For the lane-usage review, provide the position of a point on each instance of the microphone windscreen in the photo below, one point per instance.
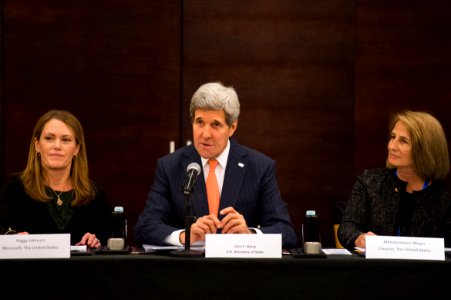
(193, 166)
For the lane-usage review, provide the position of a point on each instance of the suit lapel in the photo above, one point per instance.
(199, 202)
(234, 175)
(233, 179)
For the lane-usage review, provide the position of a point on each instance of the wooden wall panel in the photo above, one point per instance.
(403, 61)
(316, 79)
(115, 65)
(291, 63)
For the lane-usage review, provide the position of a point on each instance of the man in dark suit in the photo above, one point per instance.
(250, 200)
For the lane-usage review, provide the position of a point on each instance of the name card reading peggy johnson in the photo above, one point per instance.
(403, 247)
(243, 245)
(35, 246)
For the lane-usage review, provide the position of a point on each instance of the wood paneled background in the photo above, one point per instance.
(317, 81)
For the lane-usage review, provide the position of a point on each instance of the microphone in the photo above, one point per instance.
(192, 171)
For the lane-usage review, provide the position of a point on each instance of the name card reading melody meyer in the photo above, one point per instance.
(243, 245)
(35, 246)
(402, 247)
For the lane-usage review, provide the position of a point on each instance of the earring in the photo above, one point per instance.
(38, 154)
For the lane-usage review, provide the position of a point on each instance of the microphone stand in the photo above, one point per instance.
(189, 220)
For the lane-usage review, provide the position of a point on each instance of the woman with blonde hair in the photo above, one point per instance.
(54, 193)
(408, 197)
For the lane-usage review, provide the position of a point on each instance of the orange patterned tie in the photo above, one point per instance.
(212, 188)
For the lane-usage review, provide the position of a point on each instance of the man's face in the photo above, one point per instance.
(211, 132)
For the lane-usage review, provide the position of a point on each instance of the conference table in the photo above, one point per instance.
(163, 276)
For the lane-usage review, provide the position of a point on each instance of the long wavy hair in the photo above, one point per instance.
(34, 177)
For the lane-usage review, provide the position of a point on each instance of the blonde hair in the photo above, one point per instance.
(429, 145)
(34, 177)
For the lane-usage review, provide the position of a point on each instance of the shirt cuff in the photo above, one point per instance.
(257, 231)
(174, 238)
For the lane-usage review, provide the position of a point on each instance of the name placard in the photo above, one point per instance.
(34, 246)
(243, 245)
(402, 247)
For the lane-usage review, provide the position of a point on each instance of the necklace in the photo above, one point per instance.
(58, 201)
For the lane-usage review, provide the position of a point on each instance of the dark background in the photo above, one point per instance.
(317, 81)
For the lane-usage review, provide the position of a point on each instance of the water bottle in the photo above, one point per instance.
(118, 233)
(311, 240)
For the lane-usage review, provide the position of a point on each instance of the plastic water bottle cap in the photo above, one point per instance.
(310, 213)
(119, 209)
